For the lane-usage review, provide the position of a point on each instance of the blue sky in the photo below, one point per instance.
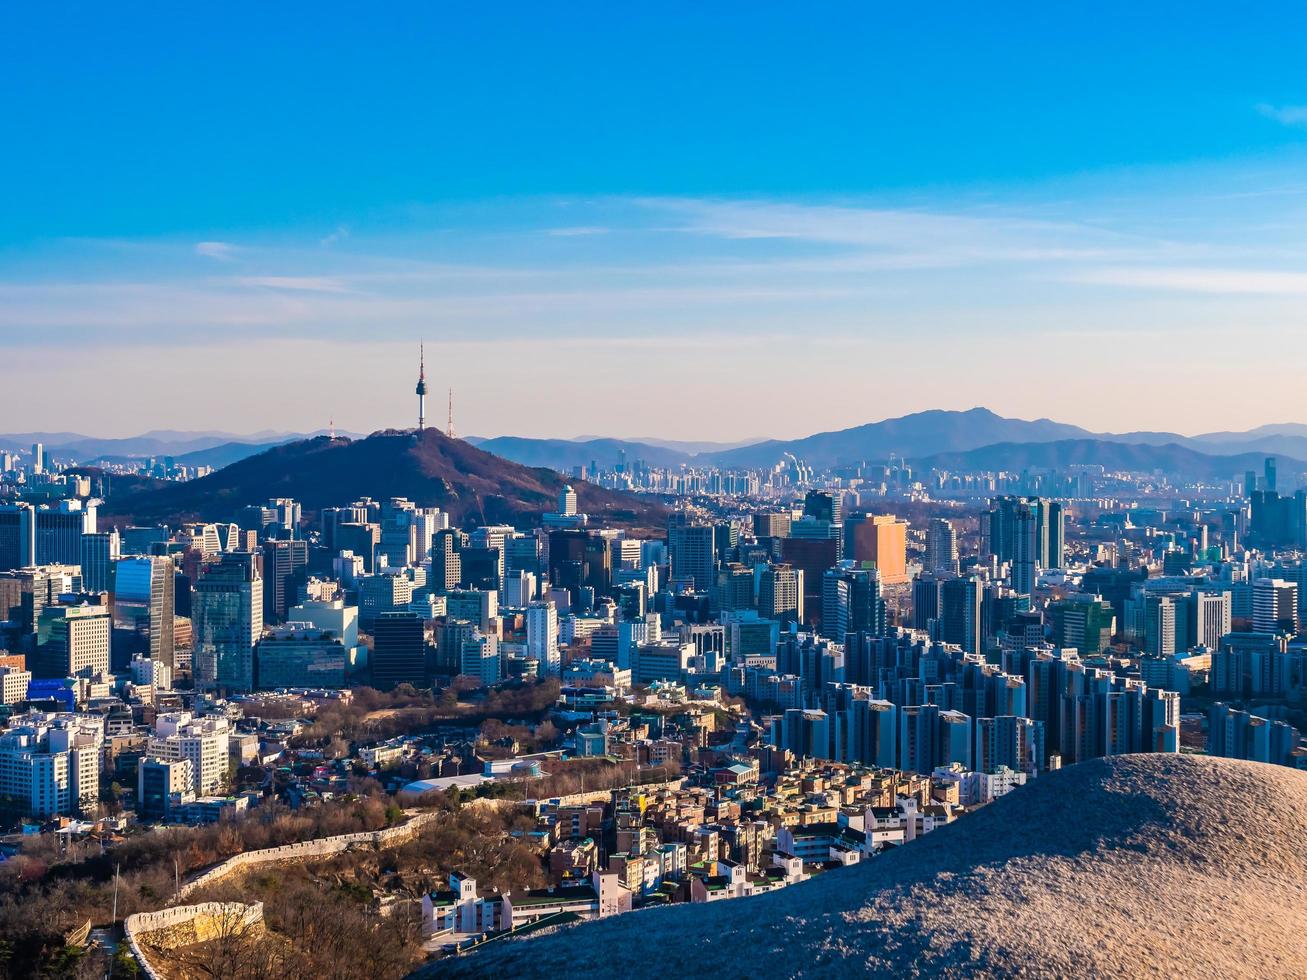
(709, 220)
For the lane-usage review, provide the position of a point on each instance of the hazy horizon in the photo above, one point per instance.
(353, 431)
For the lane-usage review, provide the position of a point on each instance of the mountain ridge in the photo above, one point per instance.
(1113, 867)
(428, 468)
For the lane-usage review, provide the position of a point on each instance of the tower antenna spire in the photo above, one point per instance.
(422, 387)
(449, 426)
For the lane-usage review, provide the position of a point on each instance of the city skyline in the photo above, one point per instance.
(702, 203)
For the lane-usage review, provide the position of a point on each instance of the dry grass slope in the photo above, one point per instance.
(1140, 865)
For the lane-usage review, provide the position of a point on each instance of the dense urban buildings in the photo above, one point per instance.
(806, 664)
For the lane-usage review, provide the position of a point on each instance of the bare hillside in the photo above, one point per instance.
(1144, 865)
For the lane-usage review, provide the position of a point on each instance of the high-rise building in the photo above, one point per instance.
(399, 651)
(882, 540)
(99, 551)
(1275, 606)
(582, 560)
(1086, 623)
(286, 517)
(17, 536)
(52, 767)
(567, 501)
(329, 616)
(780, 594)
(851, 602)
(1159, 625)
(202, 741)
(390, 591)
(284, 569)
(806, 733)
(24, 592)
(73, 639)
(919, 731)
(58, 532)
(144, 613)
(941, 548)
(1212, 616)
(227, 620)
(960, 613)
(823, 506)
(446, 559)
(812, 555)
(692, 550)
(542, 637)
(300, 655)
(772, 524)
(1028, 533)
(479, 657)
(927, 602)
(1009, 741)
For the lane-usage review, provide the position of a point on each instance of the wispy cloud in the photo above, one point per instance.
(312, 284)
(340, 234)
(1197, 279)
(917, 237)
(223, 251)
(1285, 115)
(577, 231)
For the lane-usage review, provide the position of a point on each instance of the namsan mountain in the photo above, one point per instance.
(1127, 866)
(427, 467)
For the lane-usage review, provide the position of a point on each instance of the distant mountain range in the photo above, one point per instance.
(948, 439)
(564, 454)
(1122, 456)
(427, 468)
(944, 438)
(187, 448)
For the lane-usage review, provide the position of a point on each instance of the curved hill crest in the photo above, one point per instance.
(428, 468)
(1129, 866)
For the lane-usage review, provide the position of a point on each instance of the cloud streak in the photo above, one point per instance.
(1198, 279)
(1285, 115)
(223, 251)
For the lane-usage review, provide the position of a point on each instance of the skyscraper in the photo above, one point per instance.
(446, 559)
(851, 602)
(693, 554)
(284, 563)
(927, 599)
(143, 607)
(227, 618)
(1028, 533)
(72, 639)
(399, 650)
(780, 594)
(542, 637)
(941, 548)
(1275, 606)
(17, 536)
(960, 600)
(882, 540)
(99, 551)
(823, 506)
